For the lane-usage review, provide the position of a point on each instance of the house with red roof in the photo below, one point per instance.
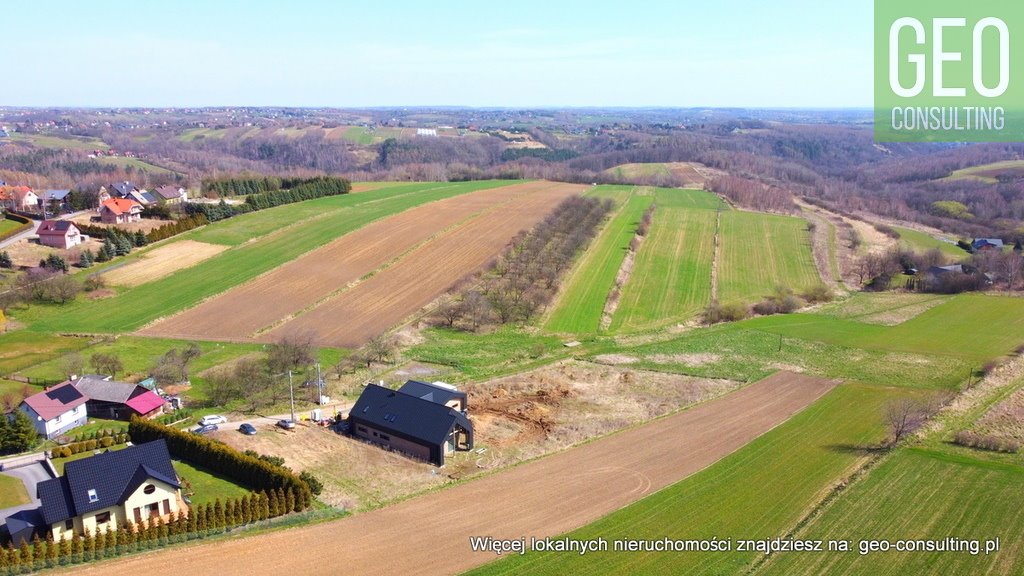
(118, 400)
(120, 211)
(57, 410)
(59, 234)
(20, 198)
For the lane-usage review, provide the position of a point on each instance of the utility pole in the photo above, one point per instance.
(319, 384)
(291, 394)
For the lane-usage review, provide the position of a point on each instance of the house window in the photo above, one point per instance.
(93, 497)
(138, 515)
(385, 437)
(154, 509)
(167, 506)
(149, 489)
(103, 517)
(69, 524)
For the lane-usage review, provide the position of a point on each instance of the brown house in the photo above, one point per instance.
(120, 211)
(170, 195)
(59, 234)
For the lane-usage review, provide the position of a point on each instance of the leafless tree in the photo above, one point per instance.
(904, 417)
(72, 364)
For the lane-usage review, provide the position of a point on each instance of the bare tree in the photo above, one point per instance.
(104, 363)
(380, 349)
(72, 364)
(293, 351)
(904, 417)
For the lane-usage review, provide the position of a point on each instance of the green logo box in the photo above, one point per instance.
(949, 71)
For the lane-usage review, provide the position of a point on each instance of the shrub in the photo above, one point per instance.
(984, 442)
(818, 293)
(717, 312)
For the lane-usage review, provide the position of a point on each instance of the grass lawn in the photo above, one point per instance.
(134, 163)
(921, 494)
(6, 225)
(475, 357)
(762, 251)
(207, 486)
(921, 242)
(12, 492)
(759, 491)
(671, 277)
(61, 142)
(581, 304)
(59, 463)
(148, 302)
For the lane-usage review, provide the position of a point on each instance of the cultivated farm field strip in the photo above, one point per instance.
(542, 498)
(161, 262)
(315, 275)
(921, 494)
(141, 305)
(581, 302)
(760, 252)
(370, 308)
(671, 278)
(760, 491)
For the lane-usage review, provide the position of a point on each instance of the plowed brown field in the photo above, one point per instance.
(430, 534)
(239, 313)
(370, 308)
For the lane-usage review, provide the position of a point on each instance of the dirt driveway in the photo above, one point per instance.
(430, 534)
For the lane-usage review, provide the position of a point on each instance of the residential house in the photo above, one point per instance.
(438, 393)
(19, 198)
(102, 492)
(108, 398)
(170, 195)
(985, 244)
(426, 429)
(59, 234)
(102, 195)
(120, 211)
(57, 410)
(122, 189)
(56, 201)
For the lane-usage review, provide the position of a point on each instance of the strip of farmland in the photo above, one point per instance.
(385, 299)
(314, 276)
(540, 499)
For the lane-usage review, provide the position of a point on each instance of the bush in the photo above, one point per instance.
(818, 293)
(984, 442)
(731, 312)
(314, 483)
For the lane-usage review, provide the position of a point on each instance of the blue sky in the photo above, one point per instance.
(781, 53)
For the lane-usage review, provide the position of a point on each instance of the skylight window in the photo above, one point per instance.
(93, 497)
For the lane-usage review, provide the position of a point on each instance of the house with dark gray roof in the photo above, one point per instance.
(409, 423)
(105, 491)
(981, 244)
(170, 194)
(436, 392)
(108, 398)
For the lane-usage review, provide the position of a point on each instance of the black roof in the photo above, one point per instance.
(431, 392)
(113, 476)
(123, 188)
(407, 415)
(64, 394)
(22, 525)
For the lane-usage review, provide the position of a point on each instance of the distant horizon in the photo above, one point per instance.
(432, 106)
(794, 54)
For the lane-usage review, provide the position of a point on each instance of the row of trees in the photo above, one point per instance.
(224, 460)
(525, 277)
(200, 521)
(261, 382)
(318, 187)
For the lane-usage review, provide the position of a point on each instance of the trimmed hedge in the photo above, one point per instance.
(224, 460)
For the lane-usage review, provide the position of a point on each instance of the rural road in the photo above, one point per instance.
(429, 534)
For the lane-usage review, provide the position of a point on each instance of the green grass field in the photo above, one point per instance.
(759, 491)
(12, 492)
(760, 252)
(8, 225)
(972, 327)
(359, 135)
(61, 142)
(134, 163)
(988, 173)
(581, 304)
(187, 287)
(208, 487)
(21, 349)
(671, 277)
(921, 242)
(921, 494)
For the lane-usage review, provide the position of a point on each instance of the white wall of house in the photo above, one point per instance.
(165, 496)
(58, 425)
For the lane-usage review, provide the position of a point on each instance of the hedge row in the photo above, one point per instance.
(25, 224)
(314, 188)
(200, 522)
(223, 460)
(68, 450)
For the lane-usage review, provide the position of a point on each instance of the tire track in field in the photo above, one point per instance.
(429, 534)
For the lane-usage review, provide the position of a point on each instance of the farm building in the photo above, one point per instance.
(983, 244)
(105, 491)
(426, 429)
(118, 400)
(170, 195)
(57, 410)
(120, 211)
(59, 234)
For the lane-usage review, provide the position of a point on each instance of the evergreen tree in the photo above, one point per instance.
(275, 508)
(86, 259)
(77, 549)
(106, 252)
(5, 260)
(52, 553)
(17, 434)
(290, 501)
(140, 238)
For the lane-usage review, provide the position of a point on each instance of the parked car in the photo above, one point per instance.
(247, 429)
(212, 419)
(206, 429)
(287, 424)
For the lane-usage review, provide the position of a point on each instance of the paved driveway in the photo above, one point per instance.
(30, 476)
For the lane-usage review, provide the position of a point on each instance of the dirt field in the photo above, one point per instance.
(385, 299)
(314, 276)
(163, 261)
(430, 534)
(30, 252)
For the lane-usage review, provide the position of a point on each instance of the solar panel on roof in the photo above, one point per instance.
(64, 394)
